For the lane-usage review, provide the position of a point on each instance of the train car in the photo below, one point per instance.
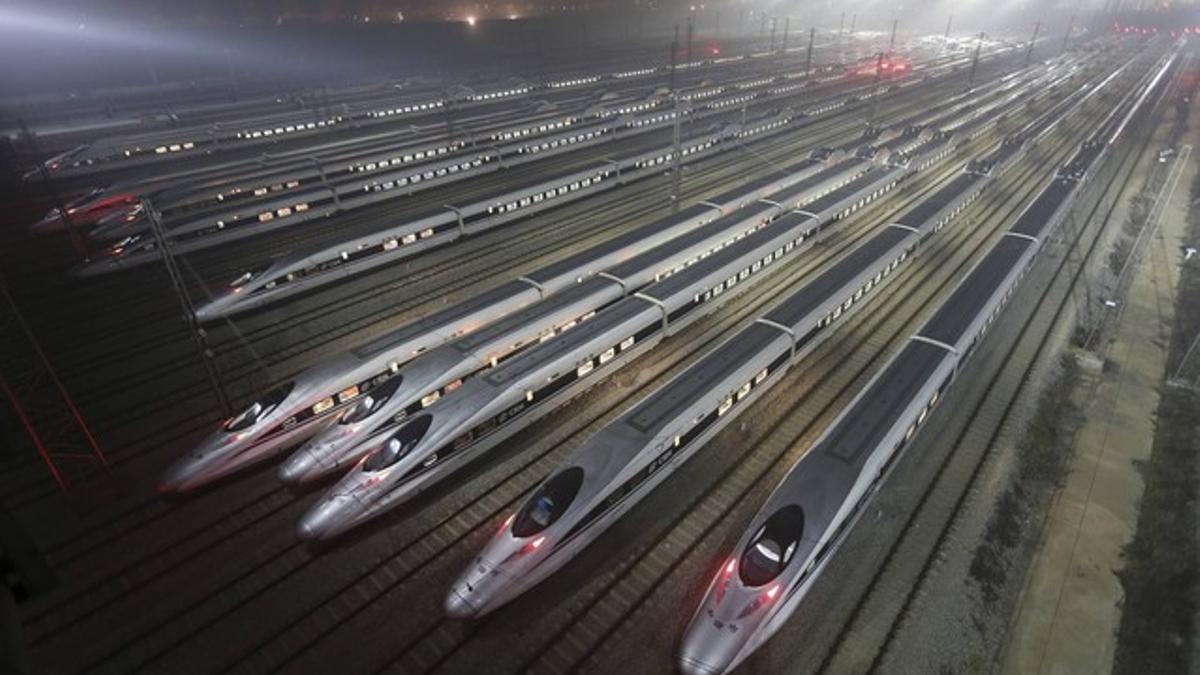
(302, 407)
(299, 408)
(627, 459)
(791, 539)
(429, 446)
(443, 370)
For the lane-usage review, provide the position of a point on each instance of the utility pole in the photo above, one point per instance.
(812, 35)
(762, 31)
(975, 62)
(199, 336)
(841, 25)
(691, 29)
(674, 50)
(787, 23)
(949, 22)
(774, 20)
(1032, 41)
(875, 93)
(892, 42)
(676, 157)
(1067, 37)
(853, 22)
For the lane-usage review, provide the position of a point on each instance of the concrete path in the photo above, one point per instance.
(1069, 611)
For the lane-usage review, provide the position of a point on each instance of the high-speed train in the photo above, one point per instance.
(369, 244)
(300, 407)
(442, 370)
(791, 539)
(355, 174)
(431, 445)
(287, 209)
(623, 462)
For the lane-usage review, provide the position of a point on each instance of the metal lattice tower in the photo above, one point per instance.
(40, 407)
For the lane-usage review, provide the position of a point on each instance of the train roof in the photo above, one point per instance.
(806, 300)
(531, 359)
(699, 379)
(457, 310)
(928, 207)
(858, 433)
(557, 269)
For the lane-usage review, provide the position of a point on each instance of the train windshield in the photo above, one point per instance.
(257, 410)
(548, 503)
(370, 403)
(398, 444)
(249, 275)
(773, 546)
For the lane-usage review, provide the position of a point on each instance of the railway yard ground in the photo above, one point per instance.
(1022, 532)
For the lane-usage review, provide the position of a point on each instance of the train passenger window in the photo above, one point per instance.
(398, 444)
(548, 503)
(725, 406)
(772, 547)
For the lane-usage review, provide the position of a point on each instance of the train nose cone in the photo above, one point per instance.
(458, 606)
(690, 666)
(705, 651)
(299, 468)
(329, 518)
(213, 309)
(177, 477)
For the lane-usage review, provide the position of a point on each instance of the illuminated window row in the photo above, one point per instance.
(707, 93)
(758, 225)
(863, 201)
(755, 83)
(666, 157)
(174, 147)
(555, 384)
(825, 108)
(575, 82)
(634, 73)
(564, 140)
(406, 158)
(631, 108)
(405, 109)
(550, 193)
(861, 292)
(651, 119)
(734, 100)
(291, 128)
(761, 128)
(753, 268)
(429, 174)
(526, 131)
(491, 95)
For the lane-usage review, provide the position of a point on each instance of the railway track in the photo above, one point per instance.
(683, 548)
(119, 384)
(139, 650)
(889, 597)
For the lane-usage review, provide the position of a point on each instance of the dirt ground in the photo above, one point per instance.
(1070, 607)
